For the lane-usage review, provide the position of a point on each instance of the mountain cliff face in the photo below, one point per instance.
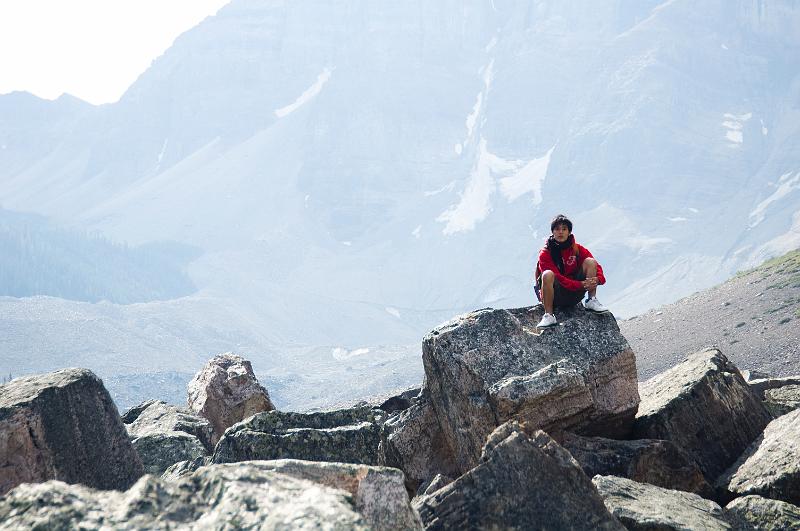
(355, 173)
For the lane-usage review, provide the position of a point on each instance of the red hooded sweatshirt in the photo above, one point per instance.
(571, 266)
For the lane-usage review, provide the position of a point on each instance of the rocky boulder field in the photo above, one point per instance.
(514, 427)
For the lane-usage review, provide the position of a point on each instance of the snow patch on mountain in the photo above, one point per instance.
(475, 202)
(306, 96)
(514, 177)
(785, 186)
(341, 354)
(446, 188)
(734, 124)
(393, 311)
(528, 179)
(163, 150)
(473, 116)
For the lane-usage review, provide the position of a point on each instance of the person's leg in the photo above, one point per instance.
(563, 297)
(590, 271)
(548, 278)
(592, 304)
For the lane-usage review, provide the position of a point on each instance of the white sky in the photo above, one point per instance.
(92, 49)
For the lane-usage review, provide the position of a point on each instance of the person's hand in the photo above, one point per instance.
(589, 283)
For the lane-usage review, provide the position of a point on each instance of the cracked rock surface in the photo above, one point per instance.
(347, 435)
(490, 366)
(705, 407)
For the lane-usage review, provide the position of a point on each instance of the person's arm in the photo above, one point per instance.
(585, 253)
(546, 263)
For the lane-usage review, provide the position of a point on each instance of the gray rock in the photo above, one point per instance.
(164, 434)
(770, 467)
(645, 507)
(763, 384)
(762, 514)
(234, 496)
(133, 412)
(705, 407)
(782, 400)
(63, 425)
(225, 391)
(379, 493)
(522, 482)
(414, 443)
(660, 463)
(158, 416)
(400, 401)
(161, 449)
(346, 435)
(185, 468)
(490, 366)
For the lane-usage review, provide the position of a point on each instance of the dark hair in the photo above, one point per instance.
(560, 219)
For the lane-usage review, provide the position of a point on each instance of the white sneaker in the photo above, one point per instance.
(594, 305)
(548, 319)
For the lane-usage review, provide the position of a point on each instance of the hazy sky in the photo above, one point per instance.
(92, 49)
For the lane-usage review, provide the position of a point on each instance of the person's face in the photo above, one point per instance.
(561, 233)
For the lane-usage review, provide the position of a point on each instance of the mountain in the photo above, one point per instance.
(354, 173)
(754, 318)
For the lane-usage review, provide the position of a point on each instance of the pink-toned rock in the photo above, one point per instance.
(63, 425)
(226, 391)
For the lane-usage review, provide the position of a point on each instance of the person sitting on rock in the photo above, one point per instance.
(566, 270)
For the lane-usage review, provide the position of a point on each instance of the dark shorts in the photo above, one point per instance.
(565, 297)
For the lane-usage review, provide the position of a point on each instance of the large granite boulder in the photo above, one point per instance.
(237, 496)
(770, 467)
(523, 482)
(763, 514)
(414, 443)
(644, 507)
(63, 425)
(490, 366)
(164, 434)
(659, 463)
(226, 391)
(345, 435)
(379, 493)
(705, 407)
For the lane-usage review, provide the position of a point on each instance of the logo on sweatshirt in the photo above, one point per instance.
(571, 260)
